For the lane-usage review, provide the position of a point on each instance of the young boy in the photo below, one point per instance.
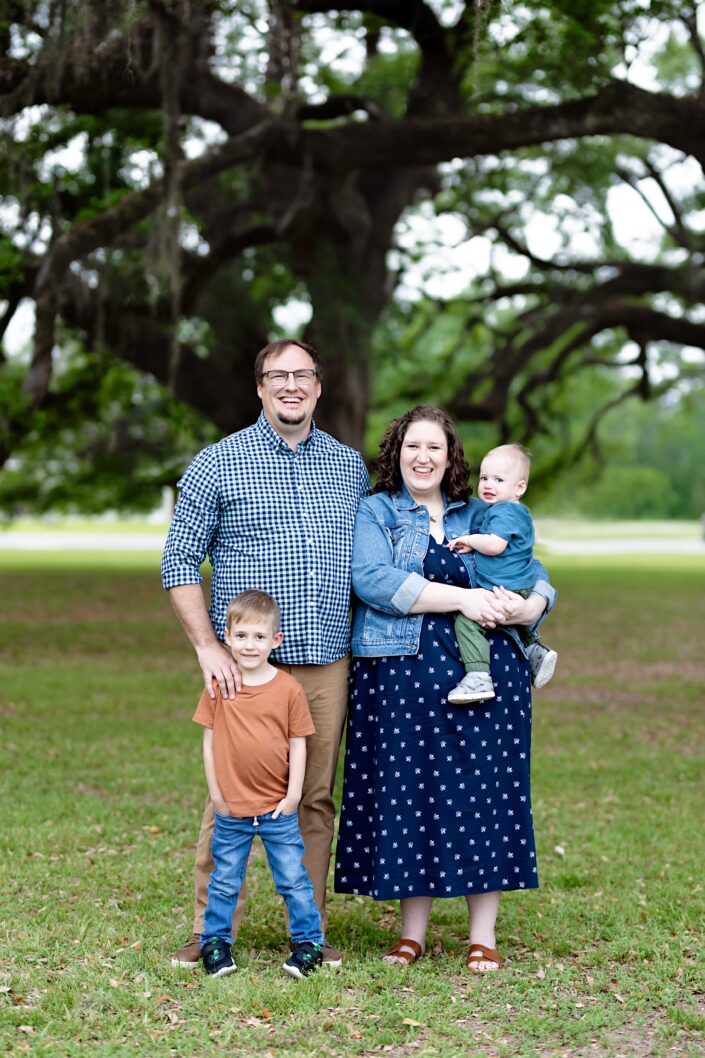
(503, 558)
(254, 753)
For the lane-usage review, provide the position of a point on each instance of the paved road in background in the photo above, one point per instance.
(645, 546)
(65, 540)
(86, 541)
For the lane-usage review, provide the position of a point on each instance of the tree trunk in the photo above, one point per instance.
(344, 317)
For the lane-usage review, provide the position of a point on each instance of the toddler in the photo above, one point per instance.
(503, 558)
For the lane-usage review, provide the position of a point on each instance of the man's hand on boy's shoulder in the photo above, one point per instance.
(217, 663)
(287, 806)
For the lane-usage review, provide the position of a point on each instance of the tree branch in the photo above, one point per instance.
(198, 270)
(14, 296)
(632, 181)
(412, 15)
(689, 18)
(86, 236)
(223, 382)
(589, 440)
(337, 105)
(681, 234)
(108, 79)
(641, 323)
(617, 108)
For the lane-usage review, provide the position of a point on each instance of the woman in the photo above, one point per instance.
(436, 798)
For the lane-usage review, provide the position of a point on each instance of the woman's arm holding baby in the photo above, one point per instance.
(475, 603)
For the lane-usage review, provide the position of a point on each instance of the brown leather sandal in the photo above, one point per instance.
(409, 957)
(487, 955)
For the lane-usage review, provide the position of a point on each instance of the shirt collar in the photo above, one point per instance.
(276, 441)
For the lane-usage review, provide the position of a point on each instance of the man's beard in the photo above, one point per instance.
(292, 417)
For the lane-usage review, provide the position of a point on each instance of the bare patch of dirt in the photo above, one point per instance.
(644, 1040)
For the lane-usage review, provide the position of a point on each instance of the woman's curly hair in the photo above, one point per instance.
(455, 482)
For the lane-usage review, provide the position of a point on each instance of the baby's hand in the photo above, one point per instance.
(461, 543)
(286, 806)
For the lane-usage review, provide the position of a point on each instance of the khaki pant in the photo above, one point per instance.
(326, 689)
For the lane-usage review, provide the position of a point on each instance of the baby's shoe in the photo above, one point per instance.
(474, 687)
(542, 662)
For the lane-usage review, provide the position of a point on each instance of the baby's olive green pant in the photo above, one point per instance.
(474, 648)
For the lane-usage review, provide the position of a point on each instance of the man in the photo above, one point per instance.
(273, 506)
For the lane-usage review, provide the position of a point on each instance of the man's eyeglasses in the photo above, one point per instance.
(304, 377)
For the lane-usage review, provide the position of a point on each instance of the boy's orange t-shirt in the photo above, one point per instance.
(251, 735)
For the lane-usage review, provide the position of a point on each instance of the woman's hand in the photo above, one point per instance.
(519, 611)
(484, 607)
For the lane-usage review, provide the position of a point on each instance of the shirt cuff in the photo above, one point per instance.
(408, 592)
(177, 578)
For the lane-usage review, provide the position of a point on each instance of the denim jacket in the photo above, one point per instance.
(391, 540)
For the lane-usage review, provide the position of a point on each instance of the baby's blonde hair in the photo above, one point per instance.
(253, 603)
(519, 454)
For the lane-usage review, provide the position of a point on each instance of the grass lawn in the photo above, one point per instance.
(102, 794)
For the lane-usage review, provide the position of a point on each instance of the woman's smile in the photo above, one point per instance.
(423, 459)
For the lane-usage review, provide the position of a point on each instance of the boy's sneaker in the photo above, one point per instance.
(542, 662)
(304, 959)
(474, 687)
(332, 958)
(217, 959)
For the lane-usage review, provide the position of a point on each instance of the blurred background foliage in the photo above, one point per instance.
(498, 280)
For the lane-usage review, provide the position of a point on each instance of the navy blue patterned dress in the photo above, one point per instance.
(436, 798)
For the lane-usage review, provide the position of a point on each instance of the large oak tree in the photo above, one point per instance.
(233, 157)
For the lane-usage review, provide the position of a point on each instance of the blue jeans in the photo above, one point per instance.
(281, 837)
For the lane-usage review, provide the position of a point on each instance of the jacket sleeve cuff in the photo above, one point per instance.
(543, 588)
(408, 592)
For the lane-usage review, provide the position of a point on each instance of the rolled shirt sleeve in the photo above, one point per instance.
(194, 524)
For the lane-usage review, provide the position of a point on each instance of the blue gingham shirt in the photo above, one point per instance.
(278, 520)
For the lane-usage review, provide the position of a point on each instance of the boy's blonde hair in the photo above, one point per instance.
(521, 455)
(253, 603)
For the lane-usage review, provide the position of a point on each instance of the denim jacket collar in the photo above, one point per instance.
(404, 501)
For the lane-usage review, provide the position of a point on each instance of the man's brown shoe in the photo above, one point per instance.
(331, 957)
(189, 955)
